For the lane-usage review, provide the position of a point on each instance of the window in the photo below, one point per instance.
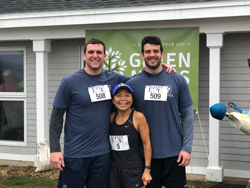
(12, 96)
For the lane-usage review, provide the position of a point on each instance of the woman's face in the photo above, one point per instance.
(123, 99)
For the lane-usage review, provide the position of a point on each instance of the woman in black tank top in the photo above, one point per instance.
(128, 129)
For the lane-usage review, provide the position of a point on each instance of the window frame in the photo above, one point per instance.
(82, 62)
(17, 96)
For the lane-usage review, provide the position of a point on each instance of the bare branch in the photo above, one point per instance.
(106, 64)
(116, 68)
(110, 58)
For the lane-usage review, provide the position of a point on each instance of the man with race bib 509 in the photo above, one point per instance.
(166, 102)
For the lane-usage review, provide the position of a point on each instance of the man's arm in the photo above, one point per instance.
(169, 68)
(56, 124)
(187, 119)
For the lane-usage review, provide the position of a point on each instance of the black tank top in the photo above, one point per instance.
(125, 142)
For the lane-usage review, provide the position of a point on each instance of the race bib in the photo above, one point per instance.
(156, 93)
(119, 143)
(99, 93)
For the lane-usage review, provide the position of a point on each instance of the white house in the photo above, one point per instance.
(41, 42)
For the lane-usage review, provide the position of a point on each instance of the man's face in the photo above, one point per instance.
(152, 56)
(94, 56)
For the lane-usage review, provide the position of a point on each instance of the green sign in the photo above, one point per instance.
(180, 46)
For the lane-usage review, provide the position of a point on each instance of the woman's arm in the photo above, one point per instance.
(141, 122)
(111, 117)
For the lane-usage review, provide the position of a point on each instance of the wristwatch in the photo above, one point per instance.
(148, 167)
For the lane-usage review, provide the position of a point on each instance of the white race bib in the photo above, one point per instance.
(99, 93)
(119, 143)
(156, 93)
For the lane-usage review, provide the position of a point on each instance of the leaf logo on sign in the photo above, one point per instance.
(114, 62)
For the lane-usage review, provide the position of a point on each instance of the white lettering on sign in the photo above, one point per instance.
(186, 78)
(185, 61)
(169, 60)
(137, 61)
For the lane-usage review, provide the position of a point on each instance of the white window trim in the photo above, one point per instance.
(17, 143)
(20, 96)
(81, 50)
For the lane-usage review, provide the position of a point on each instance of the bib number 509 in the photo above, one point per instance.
(155, 95)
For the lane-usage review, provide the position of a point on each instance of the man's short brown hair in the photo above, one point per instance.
(151, 40)
(94, 41)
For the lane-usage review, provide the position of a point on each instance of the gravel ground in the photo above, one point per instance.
(22, 171)
(53, 174)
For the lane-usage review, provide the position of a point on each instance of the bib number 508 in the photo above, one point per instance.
(100, 96)
(155, 95)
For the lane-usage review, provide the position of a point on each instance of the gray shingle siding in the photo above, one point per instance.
(199, 155)
(234, 144)
(64, 59)
(21, 6)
